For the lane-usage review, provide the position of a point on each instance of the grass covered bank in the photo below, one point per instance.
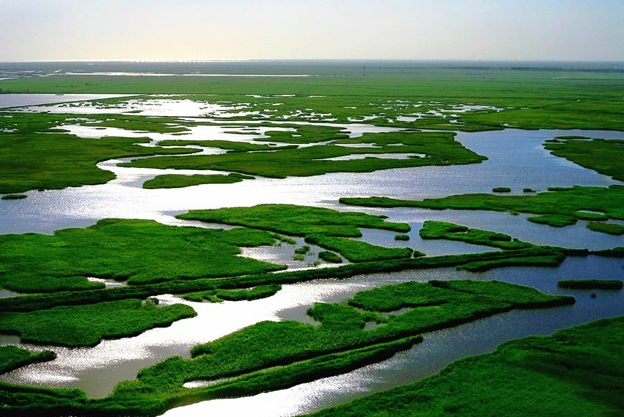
(604, 156)
(575, 371)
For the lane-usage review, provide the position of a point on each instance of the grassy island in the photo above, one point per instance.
(217, 296)
(180, 181)
(438, 148)
(609, 228)
(14, 196)
(87, 325)
(444, 230)
(134, 251)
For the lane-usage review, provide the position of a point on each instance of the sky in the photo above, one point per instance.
(155, 30)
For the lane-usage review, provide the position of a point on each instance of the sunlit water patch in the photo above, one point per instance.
(144, 107)
(19, 100)
(201, 132)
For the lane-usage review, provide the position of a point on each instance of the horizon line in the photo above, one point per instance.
(255, 60)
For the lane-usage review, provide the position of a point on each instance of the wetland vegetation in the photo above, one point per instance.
(87, 325)
(133, 251)
(13, 357)
(444, 230)
(408, 116)
(604, 156)
(270, 355)
(436, 149)
(70, 161)
(555, 207)
(180, 181)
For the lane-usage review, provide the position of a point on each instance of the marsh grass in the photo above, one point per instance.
(217, 296)
(69, 161)
(181, 181)
(609, 228)
(327, 228)
(547, 97)
(501, 190)
(554, 220)
(439, 148)
(359, 251)
(13, 357)
(548, 256)
(330, 257)
(445, 230)
(136, 251)
(604, 156)
(230, 146)
(87, 325)
(14, 196)
(274, 355)
(558, 206)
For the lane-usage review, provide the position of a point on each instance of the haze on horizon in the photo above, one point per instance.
(544, 30)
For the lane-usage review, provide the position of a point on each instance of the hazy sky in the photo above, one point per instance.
(583, 30)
